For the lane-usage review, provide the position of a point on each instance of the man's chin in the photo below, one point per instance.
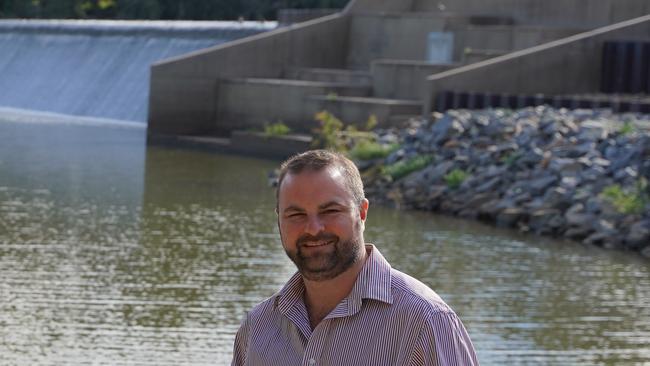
(318, 275)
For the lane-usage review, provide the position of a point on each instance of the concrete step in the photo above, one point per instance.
(308, 87)
(357, 110)
(250, 102)
(330, 75)
(403, 79)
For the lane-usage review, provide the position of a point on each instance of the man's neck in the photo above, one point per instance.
(321, 297)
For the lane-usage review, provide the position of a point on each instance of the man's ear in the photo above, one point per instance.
(363, 209)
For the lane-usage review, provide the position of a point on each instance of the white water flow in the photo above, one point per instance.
(97, 68)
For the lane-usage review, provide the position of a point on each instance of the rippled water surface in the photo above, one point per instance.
(114, 253)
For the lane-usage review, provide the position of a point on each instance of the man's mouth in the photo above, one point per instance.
(319, 243)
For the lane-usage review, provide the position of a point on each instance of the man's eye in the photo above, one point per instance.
(331, 211)
(296, 215)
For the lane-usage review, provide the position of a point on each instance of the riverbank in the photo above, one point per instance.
(579, 174)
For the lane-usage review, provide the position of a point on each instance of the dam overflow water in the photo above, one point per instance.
(97, 68)
(114, 253)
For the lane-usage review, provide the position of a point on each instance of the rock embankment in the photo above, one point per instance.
(578, 174)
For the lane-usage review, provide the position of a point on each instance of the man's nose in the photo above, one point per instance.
(314, 225)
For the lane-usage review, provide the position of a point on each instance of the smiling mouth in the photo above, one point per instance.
(316, 244)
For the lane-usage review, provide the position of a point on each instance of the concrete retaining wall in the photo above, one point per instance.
(401, 79)
(183, 98)
(570, 65)
(509, 38)
(291, 16)
(572, 13)
(375, 36)
(378, 6)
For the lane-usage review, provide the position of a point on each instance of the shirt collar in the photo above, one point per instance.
(373, 282)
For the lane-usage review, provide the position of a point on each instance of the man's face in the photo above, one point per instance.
(321, 226)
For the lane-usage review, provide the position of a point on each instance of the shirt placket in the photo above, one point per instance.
(315, 344)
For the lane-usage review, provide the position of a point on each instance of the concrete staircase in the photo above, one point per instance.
(378, 57)
(351, 95)
(385, 74)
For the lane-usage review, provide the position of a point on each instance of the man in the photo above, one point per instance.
(345, 305)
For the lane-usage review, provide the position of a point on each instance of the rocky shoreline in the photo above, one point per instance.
(580, 174)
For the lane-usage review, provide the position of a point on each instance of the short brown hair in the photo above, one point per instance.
(317, 160)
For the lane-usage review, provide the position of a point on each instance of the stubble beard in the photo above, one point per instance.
(325, 265)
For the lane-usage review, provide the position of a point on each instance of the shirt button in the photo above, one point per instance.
(312, 362)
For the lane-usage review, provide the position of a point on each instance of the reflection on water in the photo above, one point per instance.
(111, 253)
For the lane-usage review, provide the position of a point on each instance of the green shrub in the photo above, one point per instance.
(626, 202)
(276, 129)
(455, 178)
(367, 150)
(334, 134)
(627, 128)
(329, 133)
(406, 167)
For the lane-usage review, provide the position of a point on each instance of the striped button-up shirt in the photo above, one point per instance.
(389, 318)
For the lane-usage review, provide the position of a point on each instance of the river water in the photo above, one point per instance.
(115, 253)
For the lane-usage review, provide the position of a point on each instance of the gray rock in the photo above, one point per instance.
(540, 185)
(490, 208)
(592, 131)
(622, 160)
(537, 169)
(435, 173)
(626, 174)
(436, 192)
(545, 221)
(639, 234)
(445, 128)
(558, 197)
(579, 219)
(603, 239)
(604, 163)
(578, 233)
(594, 205)
(490, 185)
(569, 183)
(532, 157)
(646, 252)
(581, 150)
(592, 174)
(565, 165)
(509, 216)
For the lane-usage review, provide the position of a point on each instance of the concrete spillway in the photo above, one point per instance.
(97, 68)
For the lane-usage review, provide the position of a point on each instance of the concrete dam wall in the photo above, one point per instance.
(97, 68)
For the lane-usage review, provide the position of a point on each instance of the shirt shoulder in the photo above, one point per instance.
(262, 309)
(414, 295)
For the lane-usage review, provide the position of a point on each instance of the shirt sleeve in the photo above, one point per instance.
(241, 344)
(443, 341)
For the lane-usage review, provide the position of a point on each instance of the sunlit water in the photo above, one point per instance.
(112, 253)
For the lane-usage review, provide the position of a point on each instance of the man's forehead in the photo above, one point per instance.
(332, 172)
(327, 182)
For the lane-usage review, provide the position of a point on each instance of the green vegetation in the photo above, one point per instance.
(627, 129)
(368, 150)
(329, 133)
(335, 135)
(358, 144)
(511, 158)
(331, 96)
(276, 129)
(455, 178)
(627, 202)
(405, 167)
(156, 9)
